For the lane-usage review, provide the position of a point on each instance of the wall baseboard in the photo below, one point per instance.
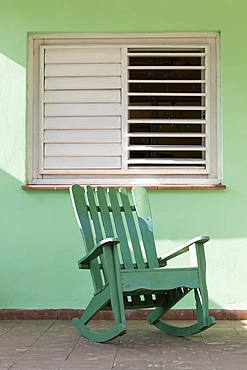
(141, 314)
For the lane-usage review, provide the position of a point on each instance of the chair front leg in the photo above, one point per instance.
(113, 269)
(203, 291)
(113, 293)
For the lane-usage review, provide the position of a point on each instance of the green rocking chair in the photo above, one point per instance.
(125, 268)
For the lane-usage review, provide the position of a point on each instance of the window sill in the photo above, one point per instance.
(150, 187)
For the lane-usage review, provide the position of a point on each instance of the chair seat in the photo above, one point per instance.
(156, 280)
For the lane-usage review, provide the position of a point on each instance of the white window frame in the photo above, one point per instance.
(125, 176)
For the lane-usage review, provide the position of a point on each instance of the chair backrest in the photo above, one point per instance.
(101, 214)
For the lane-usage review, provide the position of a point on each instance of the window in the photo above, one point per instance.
(123, 109)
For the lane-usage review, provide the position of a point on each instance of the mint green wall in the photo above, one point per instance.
(39, 239)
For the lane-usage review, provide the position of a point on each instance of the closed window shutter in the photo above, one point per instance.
(81, 109)
(124, 109)
(167, 109)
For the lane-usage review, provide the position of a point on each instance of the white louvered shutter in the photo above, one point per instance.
(125, 110)
(167, 110)
(81, 109)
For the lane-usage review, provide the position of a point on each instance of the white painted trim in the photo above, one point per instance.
(124, 95)
(41, 108)
(32, 109)
(218, 107)
(128, 180)
(208, 124)
(29, 112)
(131, 171)
(121, 35)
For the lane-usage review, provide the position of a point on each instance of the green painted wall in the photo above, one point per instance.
(39, 239)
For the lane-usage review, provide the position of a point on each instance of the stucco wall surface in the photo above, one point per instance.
(39, 239)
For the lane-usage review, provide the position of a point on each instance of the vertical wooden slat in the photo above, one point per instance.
(81, 212)
(96, 224)
(132, 228)
(124, 245)
(94, 214)
(145, 222)
(105, 214)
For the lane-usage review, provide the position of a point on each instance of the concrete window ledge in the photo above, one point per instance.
(150, 187)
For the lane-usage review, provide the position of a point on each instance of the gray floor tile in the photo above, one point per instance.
(56, 345)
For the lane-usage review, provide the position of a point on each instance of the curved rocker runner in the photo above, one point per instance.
(125, 269)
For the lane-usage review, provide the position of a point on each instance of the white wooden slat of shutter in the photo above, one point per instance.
(174, 161)
(71, 55)
(166, 134)
(167, 81)
(82, 96)
(160, 107)
(167, 108)
(70, 110)
(82, 110)
(82, 136)
(170, 68)
(83, 83)
(160, 148)
(171, 121)
(74, 70)
(86, 162)
(165, 54)
(83, 123)
(75, 150)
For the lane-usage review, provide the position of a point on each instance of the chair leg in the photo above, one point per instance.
(174, 296)
(112, 292)
(96, 304)
(117, 330)
(204, 321)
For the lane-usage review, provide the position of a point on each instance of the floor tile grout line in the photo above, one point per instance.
(72, 349)
(35, 341)
(205, 345)
(117, 349)
(162, 342)
(43, 333)
(13, 327)
(21, 355)
(11, 366)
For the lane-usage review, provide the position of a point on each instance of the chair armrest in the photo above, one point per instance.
(84, 262)
(183, 249)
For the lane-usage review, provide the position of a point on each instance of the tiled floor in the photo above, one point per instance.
(47, 344)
